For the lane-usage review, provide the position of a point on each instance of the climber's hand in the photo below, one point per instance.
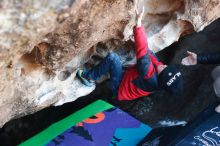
(139, 17)
(191, 59)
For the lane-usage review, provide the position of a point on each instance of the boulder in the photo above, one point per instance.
(42, 40)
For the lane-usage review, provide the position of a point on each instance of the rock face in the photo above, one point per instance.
(42, 43)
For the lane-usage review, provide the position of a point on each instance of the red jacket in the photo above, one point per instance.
(141, 79)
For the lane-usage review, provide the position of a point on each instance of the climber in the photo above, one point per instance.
(140, 80)
(193, 59)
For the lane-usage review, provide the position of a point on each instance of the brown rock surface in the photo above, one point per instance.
(40, 39)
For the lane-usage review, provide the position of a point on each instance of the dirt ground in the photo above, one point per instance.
(160, 106)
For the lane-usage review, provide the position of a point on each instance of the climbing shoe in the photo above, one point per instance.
(84, 80)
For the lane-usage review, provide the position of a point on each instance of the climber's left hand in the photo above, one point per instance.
(139, 16)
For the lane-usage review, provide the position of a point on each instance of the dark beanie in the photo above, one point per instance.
(170, 79)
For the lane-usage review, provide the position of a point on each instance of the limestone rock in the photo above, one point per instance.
(41, 39)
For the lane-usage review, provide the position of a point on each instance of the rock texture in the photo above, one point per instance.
(44, 42)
